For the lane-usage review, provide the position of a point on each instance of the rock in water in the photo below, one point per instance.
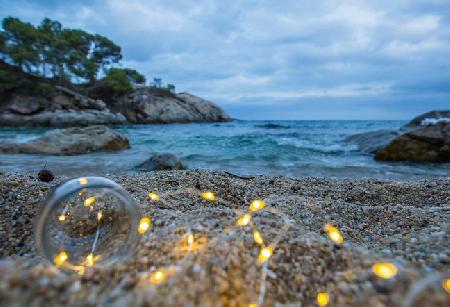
(71, 141)
(147, 105)
(426, 144)
(418, 121)
(161, 162)
(370, 142)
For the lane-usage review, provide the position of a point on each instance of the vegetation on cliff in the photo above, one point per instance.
(49, 54)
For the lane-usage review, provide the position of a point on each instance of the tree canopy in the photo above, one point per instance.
(52, 51)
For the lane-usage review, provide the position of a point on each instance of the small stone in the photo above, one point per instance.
(438, 234)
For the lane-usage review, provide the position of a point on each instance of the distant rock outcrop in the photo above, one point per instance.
(426, 144)
(71, 141)
(147, 105)
(370, 142)
(64, 108)
(427, 118)
(161, 162)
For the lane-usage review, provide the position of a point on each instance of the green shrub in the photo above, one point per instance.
(118, 80)
(14, 82)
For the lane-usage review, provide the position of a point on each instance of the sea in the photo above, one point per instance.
(307, 148)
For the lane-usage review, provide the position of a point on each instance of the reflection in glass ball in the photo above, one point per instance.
(85, 222)
(433, 290)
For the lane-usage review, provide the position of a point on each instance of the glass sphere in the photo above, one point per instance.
(434, 290)
(85, 222)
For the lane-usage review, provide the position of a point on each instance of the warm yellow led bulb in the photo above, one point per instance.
(446, 285)
(257, 205)
(334, 234)
(253, 305)
(62, 217)
(244, 220)
(83, 181)
(265, 254)
(257, 237)
(157, 277)
(90, 260)
(99, 215)
(385, 270)
(190, 239)
(61, 258)
(89, 201)
(323, 298)
(79, 269)
(208, 195)
(153, 196)
(144, 225)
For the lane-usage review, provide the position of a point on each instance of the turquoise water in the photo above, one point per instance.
(292, 148)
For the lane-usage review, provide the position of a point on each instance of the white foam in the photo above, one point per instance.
(434, 121)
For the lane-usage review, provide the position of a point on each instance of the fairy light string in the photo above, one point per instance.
(244, 220)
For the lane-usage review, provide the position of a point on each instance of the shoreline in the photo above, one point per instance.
(294, 149)
(404, 222)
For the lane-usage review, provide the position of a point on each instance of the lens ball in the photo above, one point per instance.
(85, 222)
(433, 290)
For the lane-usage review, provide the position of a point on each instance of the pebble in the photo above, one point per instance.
(438, 234)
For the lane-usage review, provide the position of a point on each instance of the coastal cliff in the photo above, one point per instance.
(147, 105)
(29, 100)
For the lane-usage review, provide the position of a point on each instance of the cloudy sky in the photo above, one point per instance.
(337, 59)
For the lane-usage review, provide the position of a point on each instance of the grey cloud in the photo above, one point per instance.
(381, 55)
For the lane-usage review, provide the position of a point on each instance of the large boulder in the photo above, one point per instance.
(81, 101)
(161, 162)
(431, 117)
(64, 108)
(71, 141)
(426, 144)
(147, 105)
(26, 105)
(370, 142)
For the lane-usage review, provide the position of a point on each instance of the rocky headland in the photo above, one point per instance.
(30, 100)
(67, 108)
(146, 105)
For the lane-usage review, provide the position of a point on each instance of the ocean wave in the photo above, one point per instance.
(265, 157)
(314, 147)
(293, 148)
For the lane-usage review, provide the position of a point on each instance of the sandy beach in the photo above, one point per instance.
(401, 222)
